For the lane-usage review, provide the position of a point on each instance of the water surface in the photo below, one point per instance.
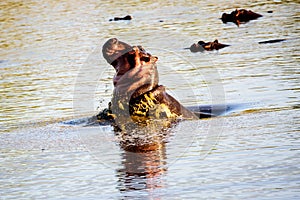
(52, 70)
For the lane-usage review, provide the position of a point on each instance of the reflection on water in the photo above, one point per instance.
(49, 48)
(142, 171)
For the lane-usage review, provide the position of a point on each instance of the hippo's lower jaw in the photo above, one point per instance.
(154, 108)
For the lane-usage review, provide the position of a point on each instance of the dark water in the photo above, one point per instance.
(52, 70)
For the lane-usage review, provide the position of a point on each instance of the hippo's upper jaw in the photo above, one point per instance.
(114, 52)
(113, 49)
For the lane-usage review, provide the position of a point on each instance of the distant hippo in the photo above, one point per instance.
(138, 100)
(240, 16)
(127, 17)
(208, 46)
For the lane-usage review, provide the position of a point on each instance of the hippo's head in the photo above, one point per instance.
(113, 52)
(124, 57)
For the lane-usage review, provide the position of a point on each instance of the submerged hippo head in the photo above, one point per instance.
(124, 57)
(208, 46)
(240, 16)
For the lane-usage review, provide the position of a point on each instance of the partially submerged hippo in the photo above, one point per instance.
(208, 46)
(138, 101)
(127, 17)
(240, 16)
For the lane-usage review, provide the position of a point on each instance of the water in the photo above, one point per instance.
(52, 70)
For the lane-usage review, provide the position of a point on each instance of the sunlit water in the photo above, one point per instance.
(52, 70)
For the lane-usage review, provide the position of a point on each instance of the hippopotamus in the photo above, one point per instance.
(208, 46)
(240, 16)
(127, 17)
(141, 111)
(138, 100)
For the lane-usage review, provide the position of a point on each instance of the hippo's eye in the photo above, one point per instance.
(146, 59)
(141, 48)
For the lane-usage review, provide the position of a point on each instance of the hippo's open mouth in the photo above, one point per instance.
(124, 57)
(113, 49)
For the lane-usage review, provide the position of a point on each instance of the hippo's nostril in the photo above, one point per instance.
(114, 40)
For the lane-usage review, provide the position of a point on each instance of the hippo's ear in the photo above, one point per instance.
(154, 58)
(141, 48)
